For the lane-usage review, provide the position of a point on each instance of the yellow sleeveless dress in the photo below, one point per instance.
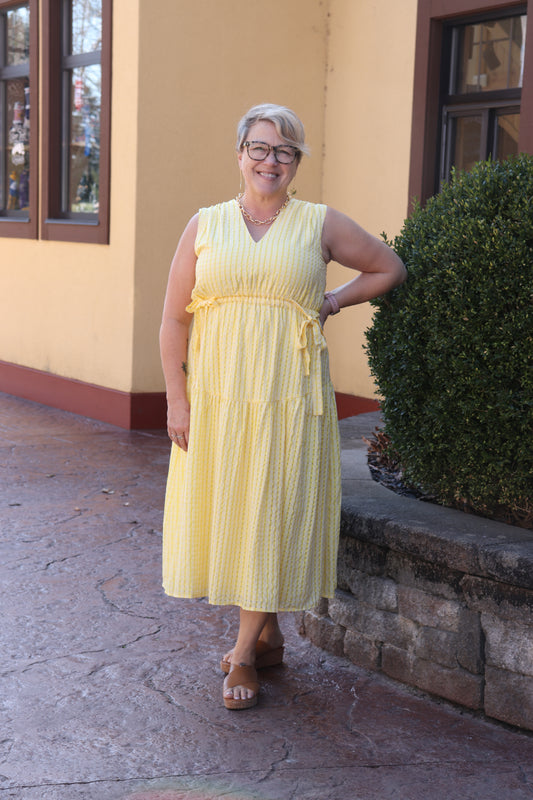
(252, 509)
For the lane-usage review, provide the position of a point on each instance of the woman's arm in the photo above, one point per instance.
(344, 241)
(174, 334)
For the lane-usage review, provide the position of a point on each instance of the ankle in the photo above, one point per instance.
(243, 656)
(271, 634)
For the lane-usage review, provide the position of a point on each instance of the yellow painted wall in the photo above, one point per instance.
(183, 74)
(367, 132)
(68, 308)
(202, 65)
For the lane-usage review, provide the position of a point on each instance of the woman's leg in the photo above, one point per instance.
(251, 626)
(270, 634)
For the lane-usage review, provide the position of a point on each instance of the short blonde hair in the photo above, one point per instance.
(288, 126)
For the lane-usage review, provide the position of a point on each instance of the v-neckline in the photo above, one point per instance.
(243, 222)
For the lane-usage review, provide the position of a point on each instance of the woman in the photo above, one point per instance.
(253, 494)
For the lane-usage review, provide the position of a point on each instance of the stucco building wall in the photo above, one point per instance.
(65, 308)
(370, 67)
(182, 75)
(198, 74)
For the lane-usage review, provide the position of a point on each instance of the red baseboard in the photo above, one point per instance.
(133, 411)
(349, 405)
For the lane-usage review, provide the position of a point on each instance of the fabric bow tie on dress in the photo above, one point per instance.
(311, 342)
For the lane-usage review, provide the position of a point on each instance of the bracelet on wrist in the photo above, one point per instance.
(332, 300)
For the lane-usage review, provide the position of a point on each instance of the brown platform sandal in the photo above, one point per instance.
(242, 676)
(265, 656)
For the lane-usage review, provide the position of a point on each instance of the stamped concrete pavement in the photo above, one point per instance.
(111, 691)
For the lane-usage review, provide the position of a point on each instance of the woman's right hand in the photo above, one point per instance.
(174, 335)
(178, 422)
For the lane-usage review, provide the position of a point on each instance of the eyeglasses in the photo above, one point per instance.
(283, 153)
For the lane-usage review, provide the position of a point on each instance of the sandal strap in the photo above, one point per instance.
(243, 676)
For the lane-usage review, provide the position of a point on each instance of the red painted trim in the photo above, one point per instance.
(349, 405)
(148, 410)
(139, 411)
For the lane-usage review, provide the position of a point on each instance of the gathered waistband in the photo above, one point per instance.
(310, 341)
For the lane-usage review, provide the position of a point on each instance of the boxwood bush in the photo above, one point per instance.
(452, 348)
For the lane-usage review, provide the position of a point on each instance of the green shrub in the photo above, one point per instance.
(452, 348)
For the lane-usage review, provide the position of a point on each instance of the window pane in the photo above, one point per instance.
(518, 47)
(507, 129)
(84, 145)
(491, 55)
(468, 63)
(86, 26)
(467, 147)
(17, 35)
(17, 154)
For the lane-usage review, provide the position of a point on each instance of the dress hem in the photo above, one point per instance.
(247, 607)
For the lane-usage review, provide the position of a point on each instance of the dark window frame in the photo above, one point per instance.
(27, 227)
(488, 111)
(454, 104)
(434, 16)
(55, 225)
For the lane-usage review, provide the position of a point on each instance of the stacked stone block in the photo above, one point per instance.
(419, 608)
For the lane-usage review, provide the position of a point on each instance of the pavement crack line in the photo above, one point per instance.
(525, 779)
(229, 625)
(58, 561)
(275, 765)
(295, 794)
(168, 698)
(350, 724)
(95, 651)
(71, 518)
(100, 587)
(194, 776)
(84, 551)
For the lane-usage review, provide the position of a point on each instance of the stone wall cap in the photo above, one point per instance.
(465, 542)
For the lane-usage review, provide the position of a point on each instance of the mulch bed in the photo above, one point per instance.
(385, 469)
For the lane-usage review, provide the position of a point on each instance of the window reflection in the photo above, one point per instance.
(86, 30)
(85, 139)
(15, 111)
(18, 141)
(17, 32)
(481, 111)
(82, 102)
(467, 149)
(507, 130)
(491, 55)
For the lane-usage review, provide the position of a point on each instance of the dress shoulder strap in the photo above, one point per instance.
(210, 218)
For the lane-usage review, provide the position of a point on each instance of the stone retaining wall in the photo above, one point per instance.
(434, 600)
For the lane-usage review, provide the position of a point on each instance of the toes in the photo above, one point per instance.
(239, 693)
